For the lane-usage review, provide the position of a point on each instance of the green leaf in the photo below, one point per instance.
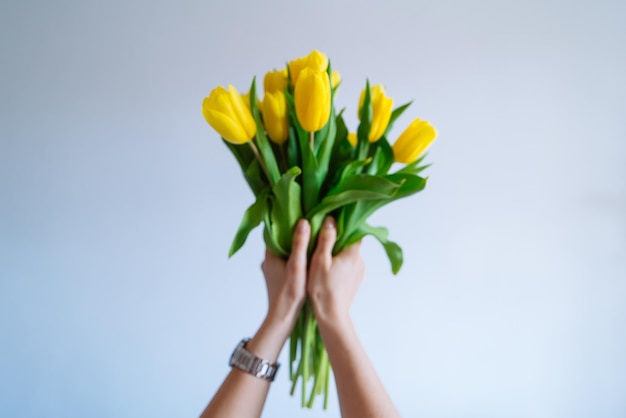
(265, 148)
(356, 214)
(342, 153)
(353, 168)
(382, 157)
(363, 131)
(255, 177)
(286, 209)
(395, 115)
(310, 186)
(342, 129)
(352, 189)
(375, 184)
(252, 217)
(327, 142)
(293, 149)
(409, 184)
(291, 110)
(271, 241)
(296, 133)
(414, 167)
(393, 250)
(386, 157)
(242, 153)
(249, 166)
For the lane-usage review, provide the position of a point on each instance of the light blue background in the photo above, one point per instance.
(118, 204)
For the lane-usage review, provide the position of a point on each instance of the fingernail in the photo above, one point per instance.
(328, 223)
(301, 225)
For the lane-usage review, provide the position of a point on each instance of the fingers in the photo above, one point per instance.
(301, 237)
(326, 240)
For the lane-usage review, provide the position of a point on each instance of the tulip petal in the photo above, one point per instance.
(381, 111)
(382, 107)
(412, 143)
(275, 81)
(312, 99)
(335, 79)
(241, 112)
(352, 139)
(316, 60)
(225, 126)
(275, 116)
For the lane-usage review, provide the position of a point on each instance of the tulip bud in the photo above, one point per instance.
(352, 139)
(316, 60)
(312, 99)
(226, 111)
(275, 80)
(335, 79)
(274, 108)
(414, 141)
(381, 111)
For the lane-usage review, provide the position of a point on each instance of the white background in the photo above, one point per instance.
(118, 203)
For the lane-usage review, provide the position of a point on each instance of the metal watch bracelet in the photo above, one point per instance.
(252, 364)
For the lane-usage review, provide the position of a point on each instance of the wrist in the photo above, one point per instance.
(269, 339)
(279, 324)
(332, 319)
(337, 331)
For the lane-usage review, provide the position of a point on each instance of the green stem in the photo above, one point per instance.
(306, 350)
(320, 376)
(283, 156)
(295, 379)
(326, 384)
(293, 346)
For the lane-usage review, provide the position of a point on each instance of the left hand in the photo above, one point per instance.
(286, 280)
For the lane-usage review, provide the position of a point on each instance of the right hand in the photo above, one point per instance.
(286, 279)
(333, 281)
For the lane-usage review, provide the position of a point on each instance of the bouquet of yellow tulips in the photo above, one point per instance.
(300, 160)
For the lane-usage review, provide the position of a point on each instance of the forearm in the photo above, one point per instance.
(243, 395)
(361, 393)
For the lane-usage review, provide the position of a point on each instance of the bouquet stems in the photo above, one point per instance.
(306, 345)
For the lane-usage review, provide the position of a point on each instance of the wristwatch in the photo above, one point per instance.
(252, 364)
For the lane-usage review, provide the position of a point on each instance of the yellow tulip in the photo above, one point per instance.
(274, 110)
(246, 101)
(352, 139)
(335, 79)
(381, 111)
(414, 141)
(227, 112)
(312, 99)
(275, 80)
(316, 60)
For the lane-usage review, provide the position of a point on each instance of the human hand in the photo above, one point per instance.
(286, 280)
(334, 281)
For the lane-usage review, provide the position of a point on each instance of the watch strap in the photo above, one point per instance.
(252, 364)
